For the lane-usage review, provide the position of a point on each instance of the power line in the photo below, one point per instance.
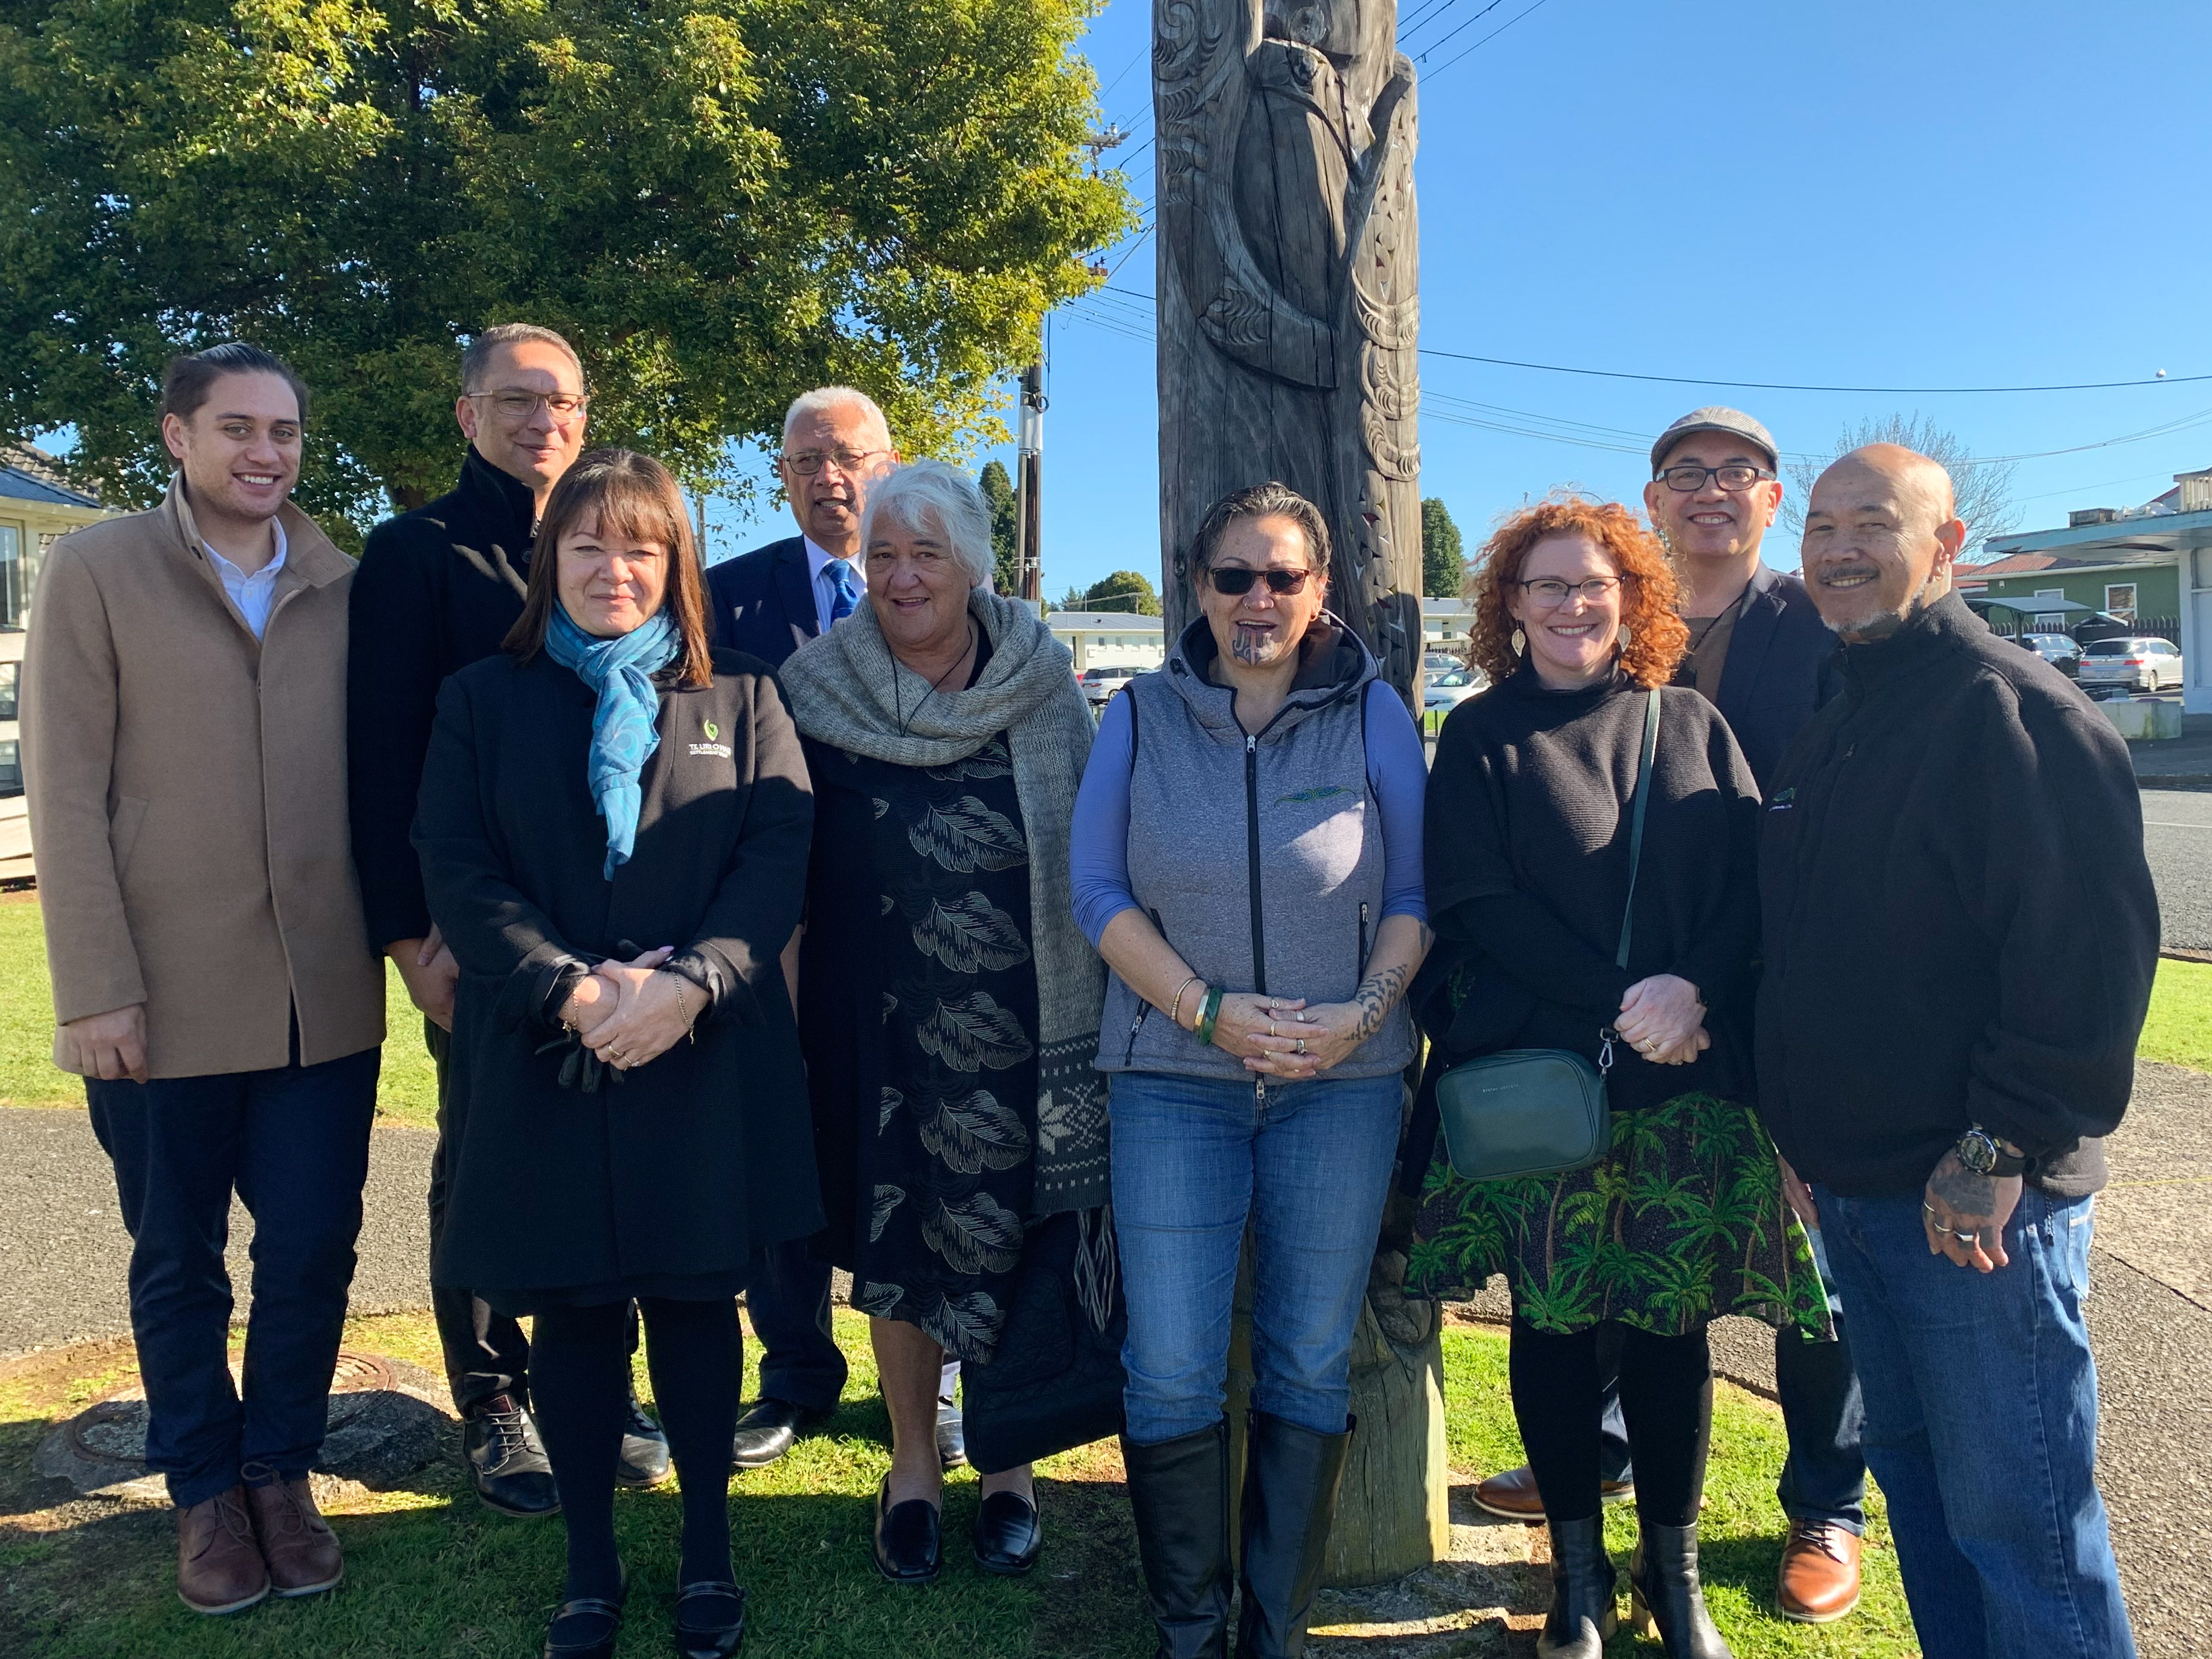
(1487, 38)
(1424, 14)
(1422, 55)
(1779, 386)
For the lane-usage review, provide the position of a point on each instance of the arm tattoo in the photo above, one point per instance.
(1376, 995)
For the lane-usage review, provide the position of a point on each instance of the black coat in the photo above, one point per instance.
(705, 1155)
(1960, 923)
(437, 589)
(1781, 670)
(763, 601)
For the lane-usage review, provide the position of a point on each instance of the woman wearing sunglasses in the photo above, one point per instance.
(1246, 858)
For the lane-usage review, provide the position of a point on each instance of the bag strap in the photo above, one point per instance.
(1643, 800)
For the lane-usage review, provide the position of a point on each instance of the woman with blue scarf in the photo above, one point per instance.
(614, 828)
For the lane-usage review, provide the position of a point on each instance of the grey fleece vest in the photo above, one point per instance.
(1259, 859)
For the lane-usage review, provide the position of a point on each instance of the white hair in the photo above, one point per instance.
(931, 497)
(824, 398)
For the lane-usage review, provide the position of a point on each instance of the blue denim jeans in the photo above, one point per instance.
(1981, 1425)
(293, 1142)
(1194, 1160)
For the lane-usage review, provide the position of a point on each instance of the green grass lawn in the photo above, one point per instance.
(429, 1572)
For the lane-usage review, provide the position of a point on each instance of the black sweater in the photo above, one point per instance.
(437, 589)
(1959, 924)
(1526, 844)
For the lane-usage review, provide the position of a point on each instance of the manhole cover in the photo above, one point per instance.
(113, 1430)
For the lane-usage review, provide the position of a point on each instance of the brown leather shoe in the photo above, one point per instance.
(301, 1550)
(1513, 1496)
(219, 1566)
(1818, 1582)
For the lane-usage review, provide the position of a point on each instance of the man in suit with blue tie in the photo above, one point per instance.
(769, 601)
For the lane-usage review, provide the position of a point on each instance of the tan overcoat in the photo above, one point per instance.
(187, 787)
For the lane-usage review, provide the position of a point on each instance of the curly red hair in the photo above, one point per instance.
(1653, 637)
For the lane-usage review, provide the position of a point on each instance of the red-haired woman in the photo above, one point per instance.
(1527, 860)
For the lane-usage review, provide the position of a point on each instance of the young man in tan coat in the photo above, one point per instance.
(184, 727)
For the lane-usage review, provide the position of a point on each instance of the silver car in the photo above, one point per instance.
(1100, 684)
(2143, 664)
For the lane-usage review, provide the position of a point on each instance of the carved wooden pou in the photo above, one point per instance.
(1288, 271)
(1289, 316)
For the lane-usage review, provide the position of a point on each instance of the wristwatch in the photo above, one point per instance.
(1978, 1151)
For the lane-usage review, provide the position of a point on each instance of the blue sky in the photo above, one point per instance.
(1859, 192)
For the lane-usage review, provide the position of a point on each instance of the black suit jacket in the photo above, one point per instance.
(763, 601)
(437, 589)
(1781, 669)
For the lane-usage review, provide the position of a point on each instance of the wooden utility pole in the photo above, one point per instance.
(1289, 321)
(1028, 482)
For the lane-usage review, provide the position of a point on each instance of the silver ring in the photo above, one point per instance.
(1301, 1045)
(1945, 1231)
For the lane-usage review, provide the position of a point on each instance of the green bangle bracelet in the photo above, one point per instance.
(1209, 1008)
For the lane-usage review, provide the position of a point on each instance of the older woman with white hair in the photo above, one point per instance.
(945, 994)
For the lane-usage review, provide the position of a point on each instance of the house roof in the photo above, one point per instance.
(27, 473)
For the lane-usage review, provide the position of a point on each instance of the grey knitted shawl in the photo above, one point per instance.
(846, 689)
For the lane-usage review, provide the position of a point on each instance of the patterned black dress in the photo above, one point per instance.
(919, 1016)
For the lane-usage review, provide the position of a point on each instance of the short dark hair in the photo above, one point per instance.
(189, 381)
(484, 342)
(634, 495)
(1271, 499)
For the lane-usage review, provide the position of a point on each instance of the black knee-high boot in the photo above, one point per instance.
(1179, 1493)
(1669, 1602)
(1290, 1477)
(1583, 1614)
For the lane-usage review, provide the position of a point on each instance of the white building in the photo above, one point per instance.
(1109, 639)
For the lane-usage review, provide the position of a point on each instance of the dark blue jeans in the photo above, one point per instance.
(294, 1143)
(1981, 1425)
(788, 1301)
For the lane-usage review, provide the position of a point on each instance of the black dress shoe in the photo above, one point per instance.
(585, 1628)
(770, 1428)
(644, 1459)
(951, 1437)
(908, 1543)
(507, 1461)
(710, 1619)
(1008, 1535)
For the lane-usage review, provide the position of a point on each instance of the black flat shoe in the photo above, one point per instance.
(710, 1619)
(585, 1628)
(644, 1458)
(770, 1428)
(1008, 1535)
(908, 1543)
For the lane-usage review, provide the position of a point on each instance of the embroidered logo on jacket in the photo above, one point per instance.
(1319, 792)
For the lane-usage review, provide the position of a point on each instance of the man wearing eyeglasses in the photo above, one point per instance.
(768, 603)
(437, 589)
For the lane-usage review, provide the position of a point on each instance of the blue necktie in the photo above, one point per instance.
(844, 595)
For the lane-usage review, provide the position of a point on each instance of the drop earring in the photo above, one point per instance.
(1520, 642)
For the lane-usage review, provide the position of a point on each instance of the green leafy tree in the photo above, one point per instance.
(1116, 592)
(720, 201)
(999, 495)
(1443, 557)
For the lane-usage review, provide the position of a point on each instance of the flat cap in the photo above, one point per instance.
(1716, 417)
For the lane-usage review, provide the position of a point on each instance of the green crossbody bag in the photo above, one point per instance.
(1543, 1111)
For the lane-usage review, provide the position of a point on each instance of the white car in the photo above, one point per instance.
(1441, 693)
(2145, 664)
(1099, 684)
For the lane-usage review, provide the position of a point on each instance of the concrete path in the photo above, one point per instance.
(2150, 1314)
(2178, 840)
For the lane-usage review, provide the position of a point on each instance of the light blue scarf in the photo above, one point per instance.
(620, 673)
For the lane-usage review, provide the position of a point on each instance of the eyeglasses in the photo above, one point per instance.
(808, 462)
(1235, 578)
(515, 405)
(1736, 476)
(1549, 593)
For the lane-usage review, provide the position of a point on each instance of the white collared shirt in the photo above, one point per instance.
(252, 594)
(824, 583)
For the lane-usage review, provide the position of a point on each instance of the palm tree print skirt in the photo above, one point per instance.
(1682, 1221)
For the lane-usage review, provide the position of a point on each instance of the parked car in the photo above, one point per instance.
(1441, 662)
(2139, 663)
(2059, 650)
(1441, 693)
(1099, 684)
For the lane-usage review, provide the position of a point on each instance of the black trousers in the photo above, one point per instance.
(293, 1143)
(486, 1352)
(788, 1298)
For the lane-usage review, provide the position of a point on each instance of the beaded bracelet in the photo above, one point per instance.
(1209, 1009)
(1175, 1008)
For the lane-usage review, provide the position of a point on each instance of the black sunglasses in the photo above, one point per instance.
(1235, 579)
